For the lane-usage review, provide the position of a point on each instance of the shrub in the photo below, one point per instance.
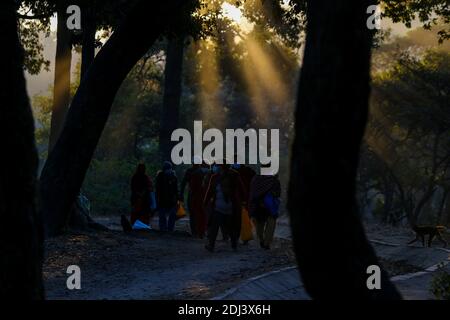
(107, 185)
(440, 284)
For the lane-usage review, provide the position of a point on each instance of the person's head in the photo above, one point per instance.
(224, 166)
(140, 169)
(236, 166)
(167, 165)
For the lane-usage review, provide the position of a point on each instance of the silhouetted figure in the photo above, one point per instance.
(193, 178)
(167, 197)
(223, 199)
(246, 174)
(265, 191)
(212, 169)
(142, 197)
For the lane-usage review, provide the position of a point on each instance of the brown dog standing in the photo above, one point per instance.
(431, 231)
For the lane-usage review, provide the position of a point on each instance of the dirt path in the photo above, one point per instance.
(153, 266)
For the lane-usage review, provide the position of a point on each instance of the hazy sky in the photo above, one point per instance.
(39, 84)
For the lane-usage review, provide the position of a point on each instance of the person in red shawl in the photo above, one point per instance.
(193, 178)
(246, 174)
(142, 196)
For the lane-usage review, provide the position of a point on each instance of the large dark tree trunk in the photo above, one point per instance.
(20, 228)
(172, 95)
(332, 250)
(88, 42)
(66, 166)
(61, 90)
(80, 216)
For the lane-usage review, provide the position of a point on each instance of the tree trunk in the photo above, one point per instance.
(79, 216)
(20, 227)
(422, 202)
(388, 199)
(172, 95)
(447, 209)
(66, 166)
(61, 90)
(88, 44)
(442, 205)
(330, 121)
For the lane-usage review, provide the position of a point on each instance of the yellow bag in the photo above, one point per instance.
(181, 213)
(246, 226)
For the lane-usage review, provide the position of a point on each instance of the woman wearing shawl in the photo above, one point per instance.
(142, 196)
(193, 179)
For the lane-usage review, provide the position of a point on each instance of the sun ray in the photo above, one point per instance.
(211, 110)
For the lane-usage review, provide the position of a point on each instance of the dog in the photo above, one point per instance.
(431, 231)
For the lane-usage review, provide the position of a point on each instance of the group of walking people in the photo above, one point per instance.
(220, 197)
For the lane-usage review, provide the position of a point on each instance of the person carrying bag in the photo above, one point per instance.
(264, 206)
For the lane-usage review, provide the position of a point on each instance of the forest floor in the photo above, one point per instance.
(153, 265)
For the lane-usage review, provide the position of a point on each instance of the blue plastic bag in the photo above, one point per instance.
(139, 225)
(272, 204)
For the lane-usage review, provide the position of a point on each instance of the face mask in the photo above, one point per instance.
(236, 166)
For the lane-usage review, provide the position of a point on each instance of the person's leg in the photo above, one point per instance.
(269, 231)
(145, 217)
(235, 228)
(237, 223)
(259, 224)
(192, 217)
(199, 215)
(133, 217)
(162, 219)
(225, 235)
(126, 226)
(201, 223)
(213, 229)
(230, 227)
(172, 213)
(192, 223)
